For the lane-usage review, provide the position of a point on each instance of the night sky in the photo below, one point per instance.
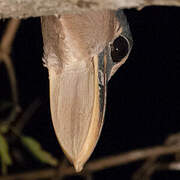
(143, 99)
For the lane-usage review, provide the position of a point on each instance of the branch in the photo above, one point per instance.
(34, 8)
(100, 164)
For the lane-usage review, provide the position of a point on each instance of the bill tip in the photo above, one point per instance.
(78, 167)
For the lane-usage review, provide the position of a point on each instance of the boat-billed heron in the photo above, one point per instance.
(82, 51)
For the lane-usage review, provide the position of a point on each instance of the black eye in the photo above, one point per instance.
(119, 49)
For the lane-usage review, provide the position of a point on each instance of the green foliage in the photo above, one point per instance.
(31, 144)
(35, 148)
(4, 154)
(4, 128)
(4, 105)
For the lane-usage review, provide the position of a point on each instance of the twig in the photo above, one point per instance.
(146, 169)
(34, 8)
(152, 164)
(26, 116)
(9, 35)
(5, 49)
(87, 175)
(8, 63)
(132, 156)
(59, 173)
(174, 166)
(158, 167)
(100, 164)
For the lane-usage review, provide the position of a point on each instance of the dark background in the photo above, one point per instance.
(143, 96)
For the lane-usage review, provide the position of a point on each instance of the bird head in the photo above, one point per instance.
(82, 52)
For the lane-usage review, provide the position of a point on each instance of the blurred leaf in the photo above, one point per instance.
(4, 128)
(4, 150)
(4, 105)
(3, 168)
(11, 116)
(4, 154)
(35, 148)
